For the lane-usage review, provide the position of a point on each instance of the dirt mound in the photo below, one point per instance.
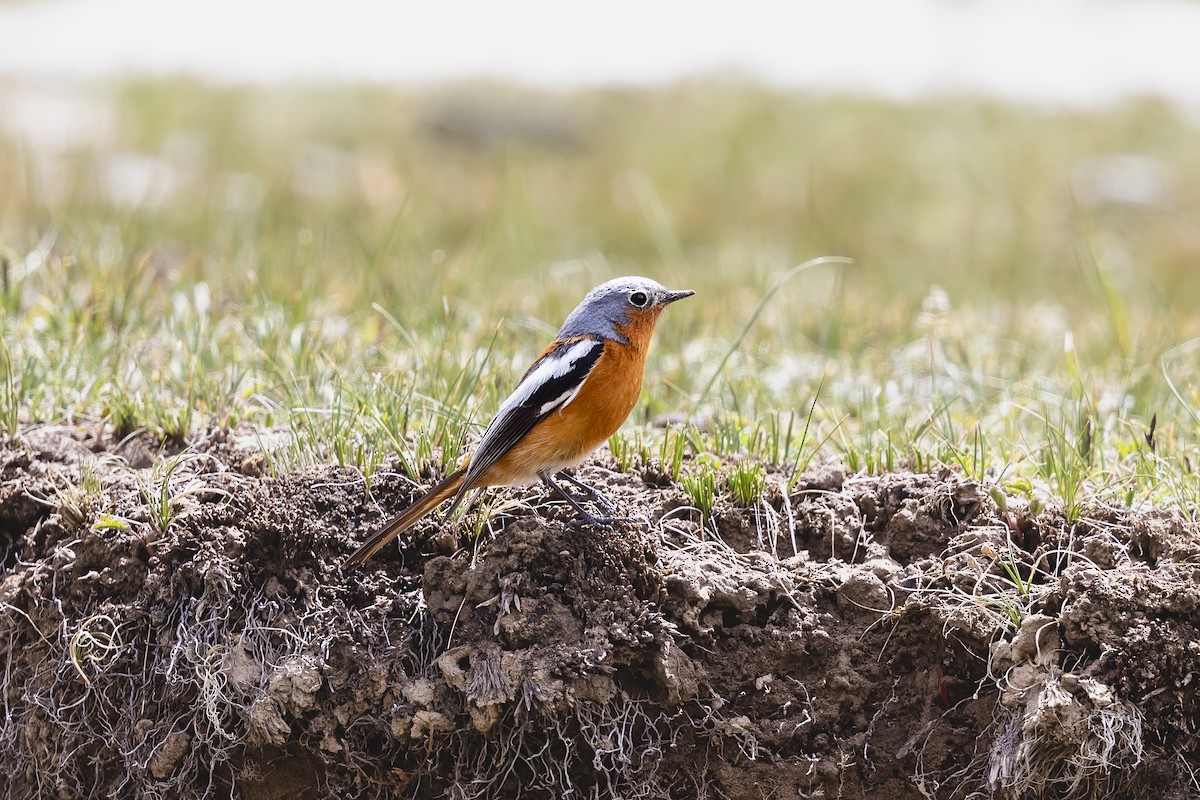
(179, 626)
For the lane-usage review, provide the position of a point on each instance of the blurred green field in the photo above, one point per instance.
(372, 270)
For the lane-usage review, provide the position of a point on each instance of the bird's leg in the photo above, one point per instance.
(583, 513)
(586, 516)
(600, 500)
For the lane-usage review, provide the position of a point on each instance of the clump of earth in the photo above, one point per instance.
(179, 624)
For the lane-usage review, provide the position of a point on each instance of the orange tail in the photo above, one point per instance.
(407, 518)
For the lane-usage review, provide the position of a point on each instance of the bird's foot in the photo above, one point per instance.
(583, 516)
(601, 502)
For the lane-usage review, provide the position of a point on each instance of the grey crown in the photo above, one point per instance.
(605, 307)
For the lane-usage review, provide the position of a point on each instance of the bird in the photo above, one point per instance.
(573, 397)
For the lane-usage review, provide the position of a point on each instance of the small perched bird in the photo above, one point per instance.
(570, 401)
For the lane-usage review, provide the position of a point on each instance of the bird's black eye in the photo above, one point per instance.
(639, 299)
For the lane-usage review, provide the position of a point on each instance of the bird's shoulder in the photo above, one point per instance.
(559, 370)
(566, 348)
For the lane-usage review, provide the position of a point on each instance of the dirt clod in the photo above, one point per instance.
(867, 636)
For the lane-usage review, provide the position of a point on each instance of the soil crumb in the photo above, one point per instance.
(178, 624)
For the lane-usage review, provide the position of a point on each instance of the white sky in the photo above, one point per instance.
(1075, 52)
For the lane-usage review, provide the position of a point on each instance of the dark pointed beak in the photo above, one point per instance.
(671, 297)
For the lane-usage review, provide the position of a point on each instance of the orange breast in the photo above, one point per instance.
(568, 436)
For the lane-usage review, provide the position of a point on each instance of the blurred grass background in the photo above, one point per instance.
(989, 201)
(374, 268)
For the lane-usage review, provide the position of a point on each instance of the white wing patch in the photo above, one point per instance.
(562, 400)
(550, 384)
(553, 366)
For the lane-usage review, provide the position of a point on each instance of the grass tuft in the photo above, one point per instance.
(367, 288)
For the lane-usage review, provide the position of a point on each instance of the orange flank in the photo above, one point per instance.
(567, 436)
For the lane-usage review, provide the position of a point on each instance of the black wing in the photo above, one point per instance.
(547, 386)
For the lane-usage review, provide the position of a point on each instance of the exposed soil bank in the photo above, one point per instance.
(182, 628)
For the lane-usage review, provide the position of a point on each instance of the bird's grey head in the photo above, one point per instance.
(611, 304)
